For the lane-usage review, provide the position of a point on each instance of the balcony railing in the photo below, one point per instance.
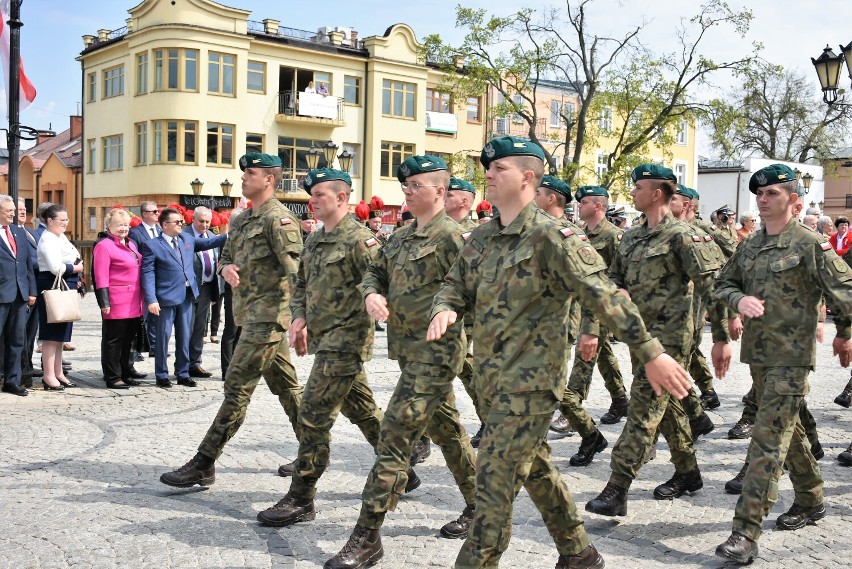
(302, 35)
(301, 104)
(504, 126)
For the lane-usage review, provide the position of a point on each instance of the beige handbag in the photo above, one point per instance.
(62, 303)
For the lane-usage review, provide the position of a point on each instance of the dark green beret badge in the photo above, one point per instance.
(509, 146)
(584, 191)
(418, 165)
(259, 160)
(321, 175)
(652, 172)
(772, 174)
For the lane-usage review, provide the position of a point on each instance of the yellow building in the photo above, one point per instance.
(185, 89)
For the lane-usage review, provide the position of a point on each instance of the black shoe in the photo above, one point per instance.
(68, 384)
(589, 558)
(364, 549)
(612, 501)
(817, 451)
(845, 457)
(798, 517)
(22, 392)
(27, 382)
(137, 357)
(200, 470)
(475, 439)
(136, 374)
(742, 430)
(288, 511)
(458, 529)
(710, 400)
(116, 384)
(379, 328)
(561, 426)
(199, 372)
(679, 485)
(845, 397)
(589, 446)
(421, 451)
(617, 410)
(735, 485)
(164, 382)
(701, 426)
(288, 469)
(738, 548)
(187, 382)
(413, 481)
(131, 382)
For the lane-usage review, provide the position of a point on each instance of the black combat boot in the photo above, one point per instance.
(845, 397)
(612, 501)
(364, 549)
(458, 529)
(561, 426)
(679, 485)
(617, 410)
(288, 469)
(589, 446)
(474, 441)
(710, 400)
(413, 481)
(589, 558)
(200, 470)
(845, 457)
(421, 451)
(735, 485)
(287, 512)
(738, 548)
(742, 430)
(798, 517)
(701, 426)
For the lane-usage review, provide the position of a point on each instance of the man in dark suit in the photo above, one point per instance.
(145, 231)
(204, 264)
(168, 280)
(31, 326)
(17, 292)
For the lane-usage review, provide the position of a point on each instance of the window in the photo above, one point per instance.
(254, 142)
(141, 143)
(91, 155)
(398, 99)
(394, 154)
(93, 220)
(256, 77)
(114, 82)
(682, 130)
(680, 172)
(220, 73)
(437, 102)
(352, 90)
(601, 165)
(113, 149)
(568, 110)
(555, 117)
(176, 70)
(220, 144)
(605, 120)
(519, 103)
(91, 87)
(474, 109)
(354, 150)
(142, 73)
(175, 141)
(292, 152)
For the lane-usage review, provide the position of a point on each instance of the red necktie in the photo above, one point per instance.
(11, 239)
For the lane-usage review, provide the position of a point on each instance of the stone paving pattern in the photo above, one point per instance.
(79, 481)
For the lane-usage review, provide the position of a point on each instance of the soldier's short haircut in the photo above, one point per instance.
(167, 212)
(340, 186)
(560, 199)
(668, 188)
(790, 187)
(439, 177)
(277, 174)
(532, 163)
(603, 200)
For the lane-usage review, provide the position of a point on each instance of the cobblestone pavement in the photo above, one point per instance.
(79, 482)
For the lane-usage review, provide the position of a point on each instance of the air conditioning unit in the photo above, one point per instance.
(289, 184)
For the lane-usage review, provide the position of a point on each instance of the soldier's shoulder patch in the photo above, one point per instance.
(826, 246)
(620, 236)
(588, 255)
(371, 242)
(696, 239)
(466, 235)
(713, 227)
(566, 232)
(286, 221)
(708, 238)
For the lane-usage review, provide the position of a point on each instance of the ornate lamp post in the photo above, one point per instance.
(196, 186)
(345, 160)
(329, 149)
(828, 67)
(226, 188)
(313, 157)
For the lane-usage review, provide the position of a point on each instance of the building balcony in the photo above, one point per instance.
(298, 107)
(443, 123)
(505, 126)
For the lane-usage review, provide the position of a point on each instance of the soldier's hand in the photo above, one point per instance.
(843, 349)
(664, 373)
(721, 355)
(751, 307)
(301, 343)
(440, 323)
(297, 332)
(588, 346)
(154, 308)
(377, 306)
(735, 327)
(820, 332)
(231, 274)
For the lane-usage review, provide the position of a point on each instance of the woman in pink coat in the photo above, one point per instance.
(118, 289)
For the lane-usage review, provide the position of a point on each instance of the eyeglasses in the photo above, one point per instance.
(150, 211)
(415, 187)
(175, 221)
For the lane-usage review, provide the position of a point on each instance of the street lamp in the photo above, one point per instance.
(807, 180)
(329, 149)
(196, 186)
(345, 159)
(226, 188)
(828, 67)
(312, 157)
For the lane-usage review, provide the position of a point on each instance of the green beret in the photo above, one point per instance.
(772, 174)
(584, 191)
(459, 184)
(684, 191)
(307, 215)
(321, 175)
(258, 160)
(509, 146)
(418, 165)
(652, 172)
(557, 185)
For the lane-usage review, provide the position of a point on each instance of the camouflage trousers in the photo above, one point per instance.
(466, 377)
(698, 368)
(805, 417)
(337, 384)
(261, 351)
(647, 415)
(513, 453)
(777, 437)
(423, 399)
(580, 381)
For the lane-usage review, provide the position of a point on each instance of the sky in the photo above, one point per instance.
(790, 31)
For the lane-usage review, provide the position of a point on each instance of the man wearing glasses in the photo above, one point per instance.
(145, 231)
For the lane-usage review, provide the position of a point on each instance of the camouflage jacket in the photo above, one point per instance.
(326, 293)
(605, 238)
(790, 272)
(658, 267)
(517, 280)
(723, 239)
(468, 223)
(265, 245)
(408, 271)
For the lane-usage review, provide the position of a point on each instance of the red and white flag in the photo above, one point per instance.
(27, 90)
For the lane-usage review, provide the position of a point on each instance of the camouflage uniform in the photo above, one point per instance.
(516, 280)
(408, 271)
(265, 244)
(605, 238)
(340, 333)
(466, 374)
(780, 349)
(658, 267)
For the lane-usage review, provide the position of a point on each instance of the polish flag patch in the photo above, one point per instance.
(465, 236)
(286, 221)
(372, 241)
(826, 246)
(567, 232)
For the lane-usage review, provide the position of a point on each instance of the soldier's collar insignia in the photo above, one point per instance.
(286, 221)
(371, 242)
(489, 150)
